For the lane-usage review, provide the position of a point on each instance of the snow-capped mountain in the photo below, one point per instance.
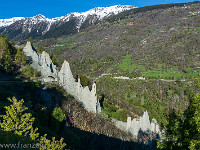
(22, 28)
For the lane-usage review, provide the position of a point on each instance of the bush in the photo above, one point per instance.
(54, 60)
(57, 117)
(84, 80)
(40, 49)
(28, 71)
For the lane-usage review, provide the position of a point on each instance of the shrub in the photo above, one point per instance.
(28, 71)
(57, 117)
(54, 60)
(40, 49)
(84, 80)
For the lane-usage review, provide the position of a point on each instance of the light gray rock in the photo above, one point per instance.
(46, 66)
(128, 123)
(82, 94)
(139, 124)
(41, 62)
(31, 54)
(98, 107)
(155, 128)
(121, 125)
(64, 78)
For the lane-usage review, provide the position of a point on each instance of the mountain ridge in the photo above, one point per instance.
(22, 28)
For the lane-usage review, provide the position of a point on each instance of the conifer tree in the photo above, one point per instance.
(16, 121)
(7, 54)
(20, 58)
(183, 131)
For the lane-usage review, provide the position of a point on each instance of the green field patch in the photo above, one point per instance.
(126, 64)
(172, 73)
(158, 72)
(197, 29)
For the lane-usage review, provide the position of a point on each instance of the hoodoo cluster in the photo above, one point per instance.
(64, 78)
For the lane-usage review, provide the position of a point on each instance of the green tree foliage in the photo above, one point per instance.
(28, 72)
(17, 122)
(10, 58)
(58, 114)
(54, 60)
(40, 49)
(20, 58)
(13, 60)
(2, 36)
(51, 144)
(183, 131)
(31, 40)
(195, 141)
(57, 117)
(7, 54)
(84, 80)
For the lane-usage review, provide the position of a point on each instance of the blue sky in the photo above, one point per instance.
(57, 8)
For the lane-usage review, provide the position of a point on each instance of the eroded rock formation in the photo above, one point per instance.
(64, 78)
(139, 125)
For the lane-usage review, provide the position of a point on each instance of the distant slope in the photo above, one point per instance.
(153, 39)
(147, 8)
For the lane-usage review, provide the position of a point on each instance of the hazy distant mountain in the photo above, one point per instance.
(19, 28)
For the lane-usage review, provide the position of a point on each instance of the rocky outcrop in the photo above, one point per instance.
(64, 78)
(30, 52)
(155, 127)
(82, 94)
(46, 66)
(138, 125)
(41, 62)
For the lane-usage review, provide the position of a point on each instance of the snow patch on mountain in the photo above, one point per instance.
(7, 22)
(99, 12)
(102, 12)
